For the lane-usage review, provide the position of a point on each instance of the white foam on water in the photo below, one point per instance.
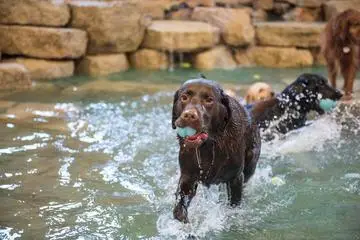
(309, 138)
(210, 213)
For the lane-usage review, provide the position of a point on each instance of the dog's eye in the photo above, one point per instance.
(184, 98)
(209, 100)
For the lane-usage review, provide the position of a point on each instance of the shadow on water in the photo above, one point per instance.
(82, 161)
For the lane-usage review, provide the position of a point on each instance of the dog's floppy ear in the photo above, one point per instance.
(226, 102)
(174, 113)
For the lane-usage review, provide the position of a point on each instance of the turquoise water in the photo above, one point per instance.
(96, 158)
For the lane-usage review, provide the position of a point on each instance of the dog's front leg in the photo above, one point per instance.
(234, 189)
(186, 191)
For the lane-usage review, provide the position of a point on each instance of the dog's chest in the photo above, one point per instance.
(215, 166)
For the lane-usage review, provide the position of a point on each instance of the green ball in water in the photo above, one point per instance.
(186, 131)
(327, 104)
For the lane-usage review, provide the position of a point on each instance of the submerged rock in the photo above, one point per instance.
(42, 42)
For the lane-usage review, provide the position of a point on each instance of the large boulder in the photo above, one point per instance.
(183, 36)
(34, 12)
(289, 34)
(102, 64)
(46, 69)
(114, 27)
(276, 57)
(333, 8)
(42, 42)
(217, 57)
(149, 59)
(235, 24)
(14, 76)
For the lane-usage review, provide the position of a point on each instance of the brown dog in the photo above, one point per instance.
(340, 46)
(259, 91)
(225, 147)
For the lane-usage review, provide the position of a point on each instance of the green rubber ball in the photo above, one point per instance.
(186, 131)
(327, 104)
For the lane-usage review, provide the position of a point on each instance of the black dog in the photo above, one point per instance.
(225, 147)
(288, 110)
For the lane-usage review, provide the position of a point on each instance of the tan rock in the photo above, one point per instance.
(280, 57)
(14, 76)
(149, 59)
(111, 27)
(27, 115)
(263, 4)
(42, 42)
(300, 14)
(6, 104)
(235, 24)
(289, 34)
(102, 64)
(32, 110)
(155, 8)
(184, 36)
(233, 3)
(310, 3)
(243, 57)
(34, 12)
(46, 69)
(333, 8)
(217, 57)
(259, 15)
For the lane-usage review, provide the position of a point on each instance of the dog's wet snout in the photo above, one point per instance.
(190, 116)
(338, 95)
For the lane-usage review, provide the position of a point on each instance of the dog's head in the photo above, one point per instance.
(347, 26)
(201, 105)
(305, 93)
(259, 91)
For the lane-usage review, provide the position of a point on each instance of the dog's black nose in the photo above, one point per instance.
(338, 95)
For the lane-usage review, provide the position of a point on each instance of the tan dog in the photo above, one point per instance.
(258, 92)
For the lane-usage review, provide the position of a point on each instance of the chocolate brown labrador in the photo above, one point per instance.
(225, 147)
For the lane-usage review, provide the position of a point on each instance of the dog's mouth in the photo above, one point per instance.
(191, 137)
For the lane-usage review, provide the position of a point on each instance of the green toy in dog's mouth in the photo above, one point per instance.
(327, 104)
(190, 135)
